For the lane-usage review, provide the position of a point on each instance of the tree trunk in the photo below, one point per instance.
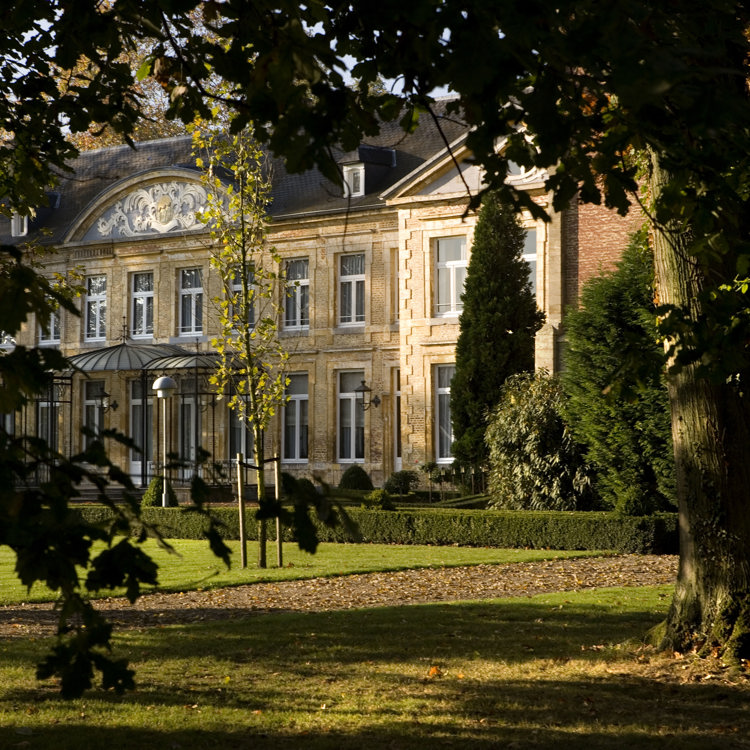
(711, 606)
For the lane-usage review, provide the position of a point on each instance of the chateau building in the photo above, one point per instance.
(374, 273)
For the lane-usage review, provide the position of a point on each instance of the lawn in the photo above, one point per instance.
(192, 566)
(542, 672)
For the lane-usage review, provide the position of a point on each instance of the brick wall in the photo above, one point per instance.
(594, 238)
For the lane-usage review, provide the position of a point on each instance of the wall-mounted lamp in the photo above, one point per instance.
(363, 394)
(105, 402)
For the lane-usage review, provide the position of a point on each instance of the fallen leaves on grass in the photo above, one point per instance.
(361, 591)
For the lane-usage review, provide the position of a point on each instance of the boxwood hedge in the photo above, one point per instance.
(479, 528)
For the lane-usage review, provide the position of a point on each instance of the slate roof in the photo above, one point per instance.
(94, 172)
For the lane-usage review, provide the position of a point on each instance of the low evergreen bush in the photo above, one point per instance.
(152, 497)
(401, 482)
(355, 478)
(378, 500)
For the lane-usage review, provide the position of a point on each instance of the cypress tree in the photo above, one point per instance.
(497, 327)
(617, 403)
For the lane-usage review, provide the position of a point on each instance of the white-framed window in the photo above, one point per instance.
(191, 302)
(96, 308)
(351, 418)
(141, 419)
(236, 291)
(296, 419)
(354, 180)
(443, 428)
(450, 268)
(142, 304)
(93, 408)
(47, 415)
(240, 439)
(352, 289)
(8, 423)
(49, 335)
(189, 427)
(529, 255)
(297, 308)
(19, 225)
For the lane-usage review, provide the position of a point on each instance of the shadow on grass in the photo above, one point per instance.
(361, 679)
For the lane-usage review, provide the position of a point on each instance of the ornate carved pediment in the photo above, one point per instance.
(159, 208)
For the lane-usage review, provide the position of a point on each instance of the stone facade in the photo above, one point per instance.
(127, 221)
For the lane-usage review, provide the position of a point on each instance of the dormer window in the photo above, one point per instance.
(19, 225)
(354, 180)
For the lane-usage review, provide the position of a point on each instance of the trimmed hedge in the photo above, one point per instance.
(474, 528)
(475, 502)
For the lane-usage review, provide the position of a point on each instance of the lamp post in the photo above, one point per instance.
(165, 388)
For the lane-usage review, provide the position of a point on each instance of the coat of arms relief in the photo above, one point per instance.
(156, 209)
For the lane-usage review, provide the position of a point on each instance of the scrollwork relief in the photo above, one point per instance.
(157, 209)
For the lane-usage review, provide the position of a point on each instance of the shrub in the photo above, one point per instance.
(534, 462)
(617, 403)
(152, 497)
(355, 478)
(497, 326)
(401, 482)
(378, 500)
(291, 485)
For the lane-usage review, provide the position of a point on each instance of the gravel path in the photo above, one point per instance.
(360, 591)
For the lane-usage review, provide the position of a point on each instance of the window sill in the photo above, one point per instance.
(295, 331)
(350, 328)
(450, 317)
(185, 338)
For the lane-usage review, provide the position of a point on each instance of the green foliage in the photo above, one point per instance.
(535, 463)
(473, 528)
(52, 543)
(378, 500)
(617, 403)
(666, 79)
(514, 529)
(252, 359)
(432, 471)
(401, 482)
(153, 496)
(691, 123)
(313, 509)
(355, 478)
(476, 502)
(497, 327)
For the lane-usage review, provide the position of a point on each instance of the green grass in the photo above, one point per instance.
(543, 672)
(194, 567)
